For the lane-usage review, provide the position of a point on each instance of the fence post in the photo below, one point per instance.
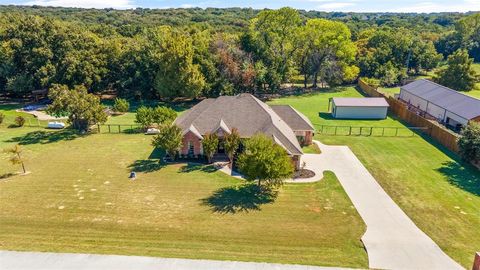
(350, 131)
(98, 126)
(396, 132)
(108, 128)
(335, 130)
(383, 132)
(119, 131)
(361, 131)
(371, 128)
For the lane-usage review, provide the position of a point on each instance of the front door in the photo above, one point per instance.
(221, 147)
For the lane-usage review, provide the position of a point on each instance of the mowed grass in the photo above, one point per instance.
(439, 193)
(78, 198)
(311, 149)
(10, 113)
(315, 107)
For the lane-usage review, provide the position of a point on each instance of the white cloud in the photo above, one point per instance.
(186, 6)
(335, 5)
(426, 6)
(118, 4)
(430, 6)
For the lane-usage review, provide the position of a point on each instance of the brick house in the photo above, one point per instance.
(287, 127)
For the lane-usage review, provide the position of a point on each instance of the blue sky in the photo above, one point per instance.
(325, 5)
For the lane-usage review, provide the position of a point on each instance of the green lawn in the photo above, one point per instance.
(389, 91)
(315, 107)
(10, 113)
(439, 193)
(311, 149)
(78, 199)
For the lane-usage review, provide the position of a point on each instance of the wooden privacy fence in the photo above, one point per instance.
(110, 128)
(369, 131)
(368, 89)
(439, 133)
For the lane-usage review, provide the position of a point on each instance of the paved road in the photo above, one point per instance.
(392, 240)
(12, 260)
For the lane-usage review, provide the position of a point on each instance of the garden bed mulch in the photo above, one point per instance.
(303, 173)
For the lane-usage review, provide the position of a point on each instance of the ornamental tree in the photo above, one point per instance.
(265, 161)
(160, 116)
(210, 145)
(469, 143)
(232, 142)
(169, 139)
(121, 105)
(83, 109)
(16, 157)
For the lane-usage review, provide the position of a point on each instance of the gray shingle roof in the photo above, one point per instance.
(294, 119)
(360, 102)
(244, 112)
(458, 103)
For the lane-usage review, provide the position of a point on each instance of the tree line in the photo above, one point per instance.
(137, 56)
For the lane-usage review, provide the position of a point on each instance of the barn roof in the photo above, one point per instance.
(360, 102)
(453, 101)
(245, 113)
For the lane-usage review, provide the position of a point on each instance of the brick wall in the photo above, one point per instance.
(197, 145)
(308, 137)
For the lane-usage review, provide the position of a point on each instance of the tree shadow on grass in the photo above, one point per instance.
(462, 176)
(195, 167)
(6, 175)
(244, 198)
(153, 163)
(146, 165)
(44, 137)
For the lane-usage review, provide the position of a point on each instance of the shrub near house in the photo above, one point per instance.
(265, 161)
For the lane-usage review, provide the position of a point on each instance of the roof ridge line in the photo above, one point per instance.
(449, 89)
(273, 122)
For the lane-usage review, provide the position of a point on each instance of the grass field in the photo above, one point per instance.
(439, 193)
(78, 199)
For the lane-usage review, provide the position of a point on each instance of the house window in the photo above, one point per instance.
(190, 148)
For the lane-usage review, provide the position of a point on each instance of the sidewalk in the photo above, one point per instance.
(13, 260)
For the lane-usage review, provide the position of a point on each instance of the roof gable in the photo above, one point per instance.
(222, 126)
(192, 130)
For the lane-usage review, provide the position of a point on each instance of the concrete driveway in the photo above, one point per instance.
(392, 240)
(12, 260)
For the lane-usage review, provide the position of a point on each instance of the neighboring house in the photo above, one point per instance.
(285, 125)
(359, 108)
(449, 107)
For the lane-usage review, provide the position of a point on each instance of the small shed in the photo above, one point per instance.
(359, 108)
